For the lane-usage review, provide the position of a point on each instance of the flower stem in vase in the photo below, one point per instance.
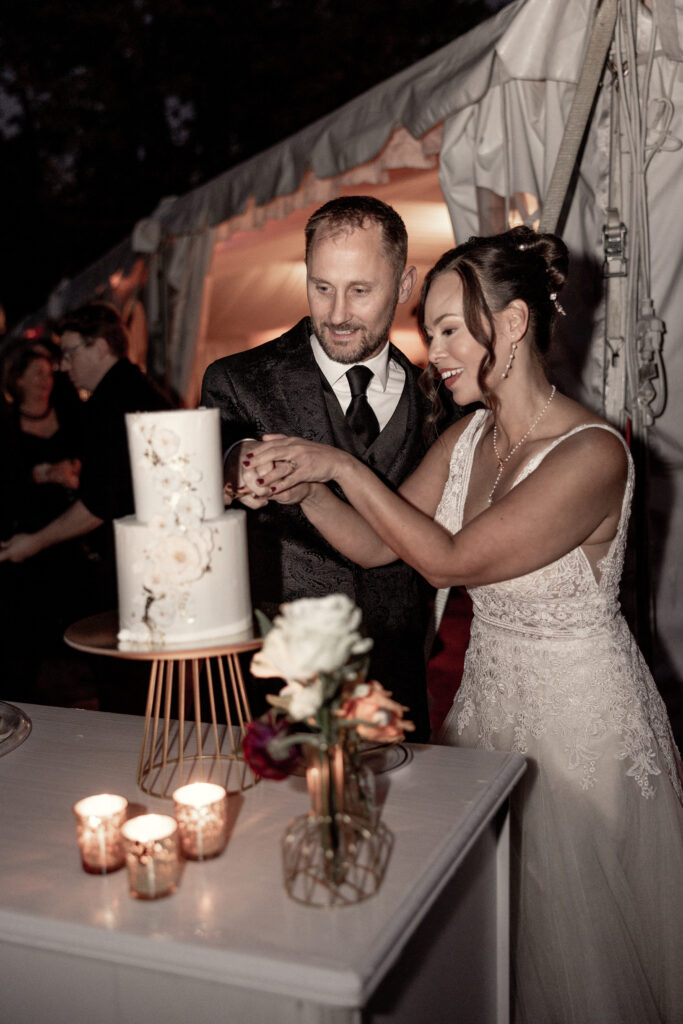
(325, 781)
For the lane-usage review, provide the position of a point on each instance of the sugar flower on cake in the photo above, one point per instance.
(151, 615)
(163, 524)
(164, 441)
(177, 559)
(166, 481)
(189, 511)
(163, 611)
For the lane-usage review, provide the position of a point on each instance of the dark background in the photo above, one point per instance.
(107, 107)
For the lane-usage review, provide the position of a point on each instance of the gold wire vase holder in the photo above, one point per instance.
(336, 855)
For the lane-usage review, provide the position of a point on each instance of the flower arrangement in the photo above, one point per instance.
(316, 646)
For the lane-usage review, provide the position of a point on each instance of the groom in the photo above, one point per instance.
(356, 250)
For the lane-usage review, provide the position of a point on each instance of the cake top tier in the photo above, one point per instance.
(176, 465)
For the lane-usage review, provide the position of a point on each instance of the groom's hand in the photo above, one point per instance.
(244, 482)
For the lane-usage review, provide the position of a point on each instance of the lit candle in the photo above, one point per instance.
(201, 809)
(98, 829)
(151, 845)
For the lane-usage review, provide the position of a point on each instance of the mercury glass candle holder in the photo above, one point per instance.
(151, 845)
(98, 830)
(201, 810)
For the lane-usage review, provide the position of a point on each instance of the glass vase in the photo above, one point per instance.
(336, 854)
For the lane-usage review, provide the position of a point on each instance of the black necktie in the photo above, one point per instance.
(359, 415)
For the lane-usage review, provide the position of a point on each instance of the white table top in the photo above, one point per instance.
(231, 919)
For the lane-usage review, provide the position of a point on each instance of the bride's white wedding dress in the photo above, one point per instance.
(553, 672)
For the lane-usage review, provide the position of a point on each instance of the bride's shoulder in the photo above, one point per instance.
(582, 433)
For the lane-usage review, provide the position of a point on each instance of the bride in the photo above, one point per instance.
(526, 502)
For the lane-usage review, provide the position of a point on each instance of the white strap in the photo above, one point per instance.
(665, 16)
(574, 129)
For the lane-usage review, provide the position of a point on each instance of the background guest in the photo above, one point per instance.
(39, 452)
(94, 343)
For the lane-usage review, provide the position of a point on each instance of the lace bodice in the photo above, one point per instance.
(561, 599)
(550, 654)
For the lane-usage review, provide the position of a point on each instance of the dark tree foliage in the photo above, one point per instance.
(107, 107)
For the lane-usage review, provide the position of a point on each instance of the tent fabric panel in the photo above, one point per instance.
(455, 77)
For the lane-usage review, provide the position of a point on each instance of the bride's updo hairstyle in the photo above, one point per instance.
(518, 264)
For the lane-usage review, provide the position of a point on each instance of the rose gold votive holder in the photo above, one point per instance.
(98, 830)
(201, 809)
(151, 845)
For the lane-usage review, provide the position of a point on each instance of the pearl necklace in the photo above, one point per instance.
(502, 462)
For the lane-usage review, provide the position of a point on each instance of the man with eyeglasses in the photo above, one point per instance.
(94, 344)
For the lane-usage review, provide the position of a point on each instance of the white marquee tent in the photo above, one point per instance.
(465, 142)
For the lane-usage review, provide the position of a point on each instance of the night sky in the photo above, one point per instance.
(105, 109)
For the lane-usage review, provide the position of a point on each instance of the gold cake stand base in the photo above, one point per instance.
(197, 707)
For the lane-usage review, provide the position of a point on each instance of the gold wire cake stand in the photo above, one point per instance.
(186, 686)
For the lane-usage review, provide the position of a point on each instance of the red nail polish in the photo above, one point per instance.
(259, 481)
(273, 488)
(250, 455)
(246, 462)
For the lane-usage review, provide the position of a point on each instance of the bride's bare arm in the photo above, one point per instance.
(340, 523)
(573, 498)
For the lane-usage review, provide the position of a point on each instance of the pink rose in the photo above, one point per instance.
(383, 717)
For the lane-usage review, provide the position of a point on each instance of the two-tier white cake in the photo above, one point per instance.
(181, 560)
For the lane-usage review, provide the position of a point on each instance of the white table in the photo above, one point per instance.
(230, 945)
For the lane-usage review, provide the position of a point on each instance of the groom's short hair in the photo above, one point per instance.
(351, 212)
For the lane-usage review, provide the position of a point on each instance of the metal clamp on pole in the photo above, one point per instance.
(614, 243)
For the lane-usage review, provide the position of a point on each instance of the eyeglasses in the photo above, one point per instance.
(67, 353)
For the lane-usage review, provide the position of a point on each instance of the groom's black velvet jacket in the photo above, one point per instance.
(278, 388)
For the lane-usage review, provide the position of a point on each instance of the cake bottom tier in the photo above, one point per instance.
(188, 586)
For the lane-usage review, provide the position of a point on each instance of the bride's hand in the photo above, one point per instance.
(285, 463)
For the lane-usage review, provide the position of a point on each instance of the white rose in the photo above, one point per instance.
(311, 636)
(304, 701)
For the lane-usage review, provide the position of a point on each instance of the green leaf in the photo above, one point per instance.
(263, 622)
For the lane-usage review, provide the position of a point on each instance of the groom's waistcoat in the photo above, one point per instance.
(278, 388)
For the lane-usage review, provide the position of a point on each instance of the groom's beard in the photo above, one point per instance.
(363, 345)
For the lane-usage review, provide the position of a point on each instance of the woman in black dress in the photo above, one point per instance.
(39, 465)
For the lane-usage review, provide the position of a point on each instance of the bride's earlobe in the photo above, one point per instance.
(517, 320)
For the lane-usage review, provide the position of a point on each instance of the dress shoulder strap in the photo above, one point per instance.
(586, 426)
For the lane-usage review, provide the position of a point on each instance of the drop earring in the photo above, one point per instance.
(506, 371)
